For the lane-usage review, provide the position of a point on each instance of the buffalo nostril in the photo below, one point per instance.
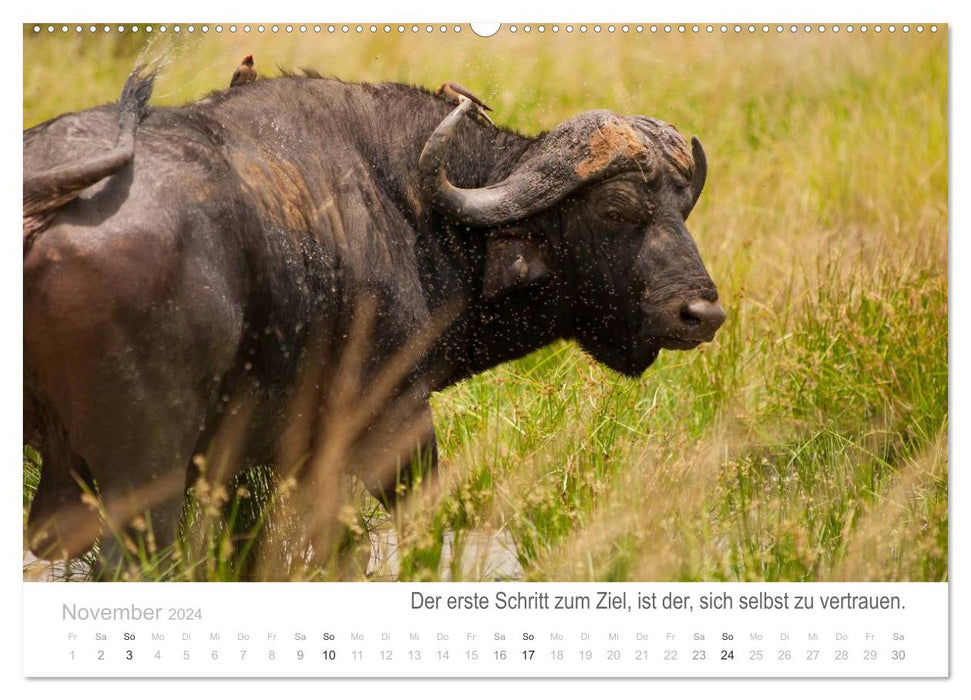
(703, 315)
(689, 318)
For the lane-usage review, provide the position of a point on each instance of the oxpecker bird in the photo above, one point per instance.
(454, 92)
(245, 73)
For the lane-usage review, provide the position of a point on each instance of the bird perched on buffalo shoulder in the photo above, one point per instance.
(453, 92)
(245, 73)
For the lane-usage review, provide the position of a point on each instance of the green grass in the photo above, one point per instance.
(808, 442)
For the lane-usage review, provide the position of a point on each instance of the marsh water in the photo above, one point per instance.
(481, 556)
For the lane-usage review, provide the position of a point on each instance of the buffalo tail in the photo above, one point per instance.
(46, 192)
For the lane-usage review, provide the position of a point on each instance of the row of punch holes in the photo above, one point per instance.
(513, 28)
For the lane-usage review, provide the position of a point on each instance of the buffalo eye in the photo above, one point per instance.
(620, 203)
(629, 213)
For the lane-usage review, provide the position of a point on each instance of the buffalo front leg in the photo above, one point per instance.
(401, 471)
(398, 455)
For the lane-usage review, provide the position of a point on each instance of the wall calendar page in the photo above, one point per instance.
(428, 349)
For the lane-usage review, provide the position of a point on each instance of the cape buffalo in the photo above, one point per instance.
(205, 280)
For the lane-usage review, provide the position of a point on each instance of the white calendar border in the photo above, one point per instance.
(509, 10)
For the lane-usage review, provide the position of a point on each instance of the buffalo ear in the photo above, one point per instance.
(512, 262)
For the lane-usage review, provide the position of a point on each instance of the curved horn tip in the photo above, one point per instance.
(700, 170)
(697, 152)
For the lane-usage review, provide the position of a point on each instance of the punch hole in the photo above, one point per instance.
(485, 29)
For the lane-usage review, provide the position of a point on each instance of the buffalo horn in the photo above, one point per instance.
(534, 186)
(701, 171)
(585, 148)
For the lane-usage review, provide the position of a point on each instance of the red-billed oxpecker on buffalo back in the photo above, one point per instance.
(244, 73)
(282, 275)
(453, 92)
